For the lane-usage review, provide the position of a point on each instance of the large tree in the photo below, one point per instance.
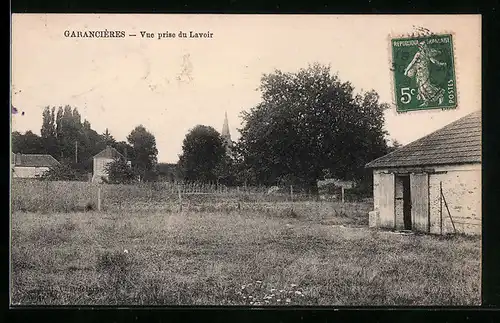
(144, 157)
(27, 143)
(48, 131)
(125, 149)
(202, 153)
(108, 139)
(310, 122)
(394, 145)
(59, 115)
(48, 126)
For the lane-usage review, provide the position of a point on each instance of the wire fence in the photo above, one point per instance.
(45, 196)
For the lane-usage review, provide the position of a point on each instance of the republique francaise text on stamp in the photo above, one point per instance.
(424, 73)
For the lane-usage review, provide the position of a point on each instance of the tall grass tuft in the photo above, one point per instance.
(117, 274)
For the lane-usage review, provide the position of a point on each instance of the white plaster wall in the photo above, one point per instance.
(29, 172)
(462, 192)
(376, 190)
(99, 167)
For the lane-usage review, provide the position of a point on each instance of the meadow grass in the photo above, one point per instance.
(304, 253)
(28, 195)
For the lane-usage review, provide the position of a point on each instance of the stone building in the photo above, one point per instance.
(101, 160)
(432, 184)
(31, 165)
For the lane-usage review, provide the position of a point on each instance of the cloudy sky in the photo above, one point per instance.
(170, 85)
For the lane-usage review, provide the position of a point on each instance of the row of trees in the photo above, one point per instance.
(73, 143)
(309, 126)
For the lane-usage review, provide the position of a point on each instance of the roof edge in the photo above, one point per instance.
(370, 164)
(427, 165)
(112, 148)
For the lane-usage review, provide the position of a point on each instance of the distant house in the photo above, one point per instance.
(432, 184)
(31, 165)
(101, 160)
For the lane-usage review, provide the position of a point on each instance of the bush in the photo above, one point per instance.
(329, 189)
(63, 172)
(361, 191)
(112, 262)
(119, 172)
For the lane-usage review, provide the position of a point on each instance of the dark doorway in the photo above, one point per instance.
(406, 202)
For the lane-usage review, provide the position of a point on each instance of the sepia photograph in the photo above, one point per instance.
(245, 160)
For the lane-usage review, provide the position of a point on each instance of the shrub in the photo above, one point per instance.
(120, 172)
(361, 191)
(117, 274)
(112, 262)
(63, 172)
(289, 212)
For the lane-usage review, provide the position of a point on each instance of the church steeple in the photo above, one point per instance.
(225, 134)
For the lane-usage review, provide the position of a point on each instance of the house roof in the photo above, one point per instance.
(457, 143)
(110, 153)
(33, 160)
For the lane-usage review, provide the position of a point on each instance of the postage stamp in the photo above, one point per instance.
(424, 73)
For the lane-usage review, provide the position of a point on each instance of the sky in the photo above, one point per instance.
(170, 85)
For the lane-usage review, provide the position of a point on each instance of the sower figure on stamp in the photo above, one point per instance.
(419, 68)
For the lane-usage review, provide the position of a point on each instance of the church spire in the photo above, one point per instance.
(225, 134)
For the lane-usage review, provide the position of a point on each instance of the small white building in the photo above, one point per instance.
(432, 184)
(101, 160)
(31, 165)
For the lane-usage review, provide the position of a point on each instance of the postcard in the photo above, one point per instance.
(245, 160)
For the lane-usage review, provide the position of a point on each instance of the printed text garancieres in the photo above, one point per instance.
(95, 34)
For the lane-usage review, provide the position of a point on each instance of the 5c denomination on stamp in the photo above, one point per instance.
(424, 73)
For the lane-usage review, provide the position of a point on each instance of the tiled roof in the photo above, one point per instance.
(110, 153)
(32, 160)
(457, 143)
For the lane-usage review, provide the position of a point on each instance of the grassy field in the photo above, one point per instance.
(303, 253)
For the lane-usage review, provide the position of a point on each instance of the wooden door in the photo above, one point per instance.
(419, 188)
(386, 200)
(406, 203)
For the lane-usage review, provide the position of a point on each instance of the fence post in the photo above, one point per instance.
(343, 196)
(99, 199)
(150, 195)
(449, 214)
(291, 193)
(180, 198)
(441, 207)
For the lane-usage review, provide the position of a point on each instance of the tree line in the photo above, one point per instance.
(308, 126)
(73, 143)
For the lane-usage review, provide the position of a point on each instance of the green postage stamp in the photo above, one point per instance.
(424, 73)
